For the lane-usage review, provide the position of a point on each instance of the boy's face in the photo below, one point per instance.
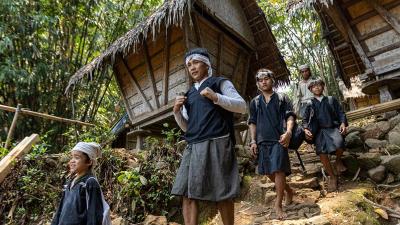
(197, 69)
(265, 83)
(305, 73)
(79, 162)
(317, 89)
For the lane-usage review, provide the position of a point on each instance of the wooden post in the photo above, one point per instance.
(12, 127)
(22, 148)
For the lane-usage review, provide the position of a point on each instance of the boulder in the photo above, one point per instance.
(376, 130)
(155, 220)
(350, 162)
(392, 163)
(396, 128)
(377, 174)
(393, 149)
(389, 179)
(352, 129)
(353, 140)
(319, 220)
(394, 138)
(394, 121)
(307, 183)
(369, 160)
(375, 143)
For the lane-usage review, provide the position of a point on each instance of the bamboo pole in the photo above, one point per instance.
(45, 116)
(12, 127)
(22, 148)
(374, 109)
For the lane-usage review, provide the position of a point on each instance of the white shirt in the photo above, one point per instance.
(230, 100)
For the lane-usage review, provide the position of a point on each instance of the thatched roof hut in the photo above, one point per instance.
(148, 60)
(364, 38)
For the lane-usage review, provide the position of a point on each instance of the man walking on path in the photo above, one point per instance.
(209, 169)
(303, 94)
(271, 122)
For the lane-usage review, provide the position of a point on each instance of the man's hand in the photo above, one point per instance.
(210, 94)
(285, 139)
(309, 135)
(343, 129)
(254, 150)
(179, 101)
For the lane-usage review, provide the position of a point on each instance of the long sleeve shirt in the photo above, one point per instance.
(230, 100)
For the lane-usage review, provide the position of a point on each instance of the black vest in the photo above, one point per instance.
(206, 119)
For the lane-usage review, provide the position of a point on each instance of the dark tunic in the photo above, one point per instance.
(270, 120)
(73, 209)
(324, 119)
(208, 170)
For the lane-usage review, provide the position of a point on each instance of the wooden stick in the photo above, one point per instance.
(45, 116)
(12, 127)
(374, 109)
(381, 206)
(388, 186)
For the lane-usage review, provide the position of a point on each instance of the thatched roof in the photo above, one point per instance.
(294, 5)
(354, 91)
(171, 12)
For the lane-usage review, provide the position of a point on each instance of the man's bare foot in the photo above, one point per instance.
(289, 196)
(280, 214)
(340, 166)
(332, 184)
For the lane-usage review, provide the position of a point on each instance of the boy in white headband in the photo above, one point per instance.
(208, 170)
(271, 122)
(303, 94)
(82, 200)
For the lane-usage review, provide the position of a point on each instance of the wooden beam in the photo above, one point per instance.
(373, 13)
(150, 73)
(22, 148)
(197, 31)
(374, 33)
(374, 110)
(166, 65)
(135, 83)
(384, 49)
(126, 103)
(44, 115)
(236, 68)
(246, 76)
(186, 28)
(12, 127)
(220, 48)
(385, 14)
(364, 58)
(335, 16)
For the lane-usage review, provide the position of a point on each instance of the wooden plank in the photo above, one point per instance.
(385, 14)
(22, 148)
(166, 66)
(220, 47)
(135, 83)
(353, 39)
(142, 119)
(150, 73)
(370, 14)
(384, 49)
(374, 33)
(44, 115)
(186, 29)
(246, 76)
(236, 68)
(374, 110)
(130, 114)
(197, 31)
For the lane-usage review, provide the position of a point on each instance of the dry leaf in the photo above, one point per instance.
(382, 213)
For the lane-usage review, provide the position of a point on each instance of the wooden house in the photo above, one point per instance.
(148, 60)
(364, 38)
(354, 98)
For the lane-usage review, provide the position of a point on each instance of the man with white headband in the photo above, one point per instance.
(271, 122)
(303, 94)
(209, 169)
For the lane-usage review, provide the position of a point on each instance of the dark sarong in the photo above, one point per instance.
(328, 140)
(273, 157)
(208, 171)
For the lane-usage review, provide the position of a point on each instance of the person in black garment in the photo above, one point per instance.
(208, 170)
(82, 200)
(325, 122)
(271, 123)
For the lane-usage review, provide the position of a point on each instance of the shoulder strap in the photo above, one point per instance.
(257, 100)
(330, 101)
(281, 98)
(106, 207)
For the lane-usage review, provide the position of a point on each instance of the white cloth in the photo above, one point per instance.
(305, 66)
(92, 149)
(201, 58)
(230, 100)
(303, 93)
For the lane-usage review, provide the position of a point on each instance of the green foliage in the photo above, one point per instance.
(172, 134)
(3, 152)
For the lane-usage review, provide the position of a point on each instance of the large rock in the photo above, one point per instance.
(394, 138)
(155, 220)
(376, 130)
(369, 160)
(375, 143)
(396, 128)
(353, 140)
(392, 163)
(393, 149)
(352, 129)
(351, 163)
(394, 121)
(377, 174)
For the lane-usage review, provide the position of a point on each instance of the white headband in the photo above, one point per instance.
(265, 74)
(201, 58)
(305, 66)
(92, 149)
